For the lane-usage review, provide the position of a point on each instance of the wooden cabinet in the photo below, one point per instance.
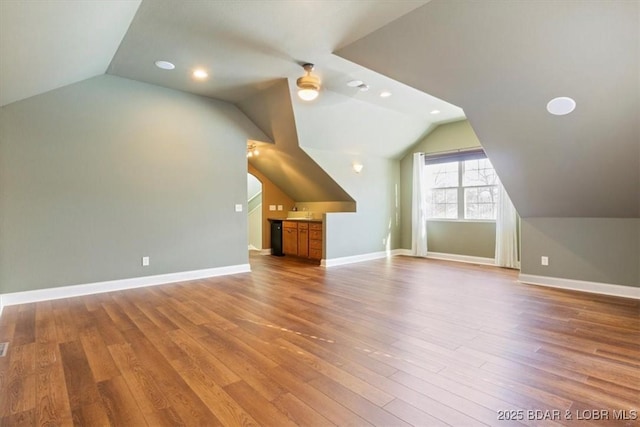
(315, 240)
(302, 238)
(290, 237)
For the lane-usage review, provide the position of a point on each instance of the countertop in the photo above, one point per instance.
(296, 219)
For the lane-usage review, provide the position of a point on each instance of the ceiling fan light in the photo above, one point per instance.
(308, 85)
(308, 94)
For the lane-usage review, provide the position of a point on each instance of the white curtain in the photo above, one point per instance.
(419, 208)
(506, 231)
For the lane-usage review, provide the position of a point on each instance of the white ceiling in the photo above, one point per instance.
(45, 45)
(245, 45)
(500, 61)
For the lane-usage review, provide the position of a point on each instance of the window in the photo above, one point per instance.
(462, 189)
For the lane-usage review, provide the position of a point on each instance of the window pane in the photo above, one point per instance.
(442, 203)
(480, 202)
(478, 172)
(452, 211)
(442, 175)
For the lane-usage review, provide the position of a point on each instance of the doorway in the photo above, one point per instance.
(254, 212)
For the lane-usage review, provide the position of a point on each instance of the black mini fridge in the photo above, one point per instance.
(276, 237)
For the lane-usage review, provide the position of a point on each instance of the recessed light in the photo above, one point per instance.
(435, 112)
(385, 94)
(165, 65)
(355, 83)
(200, 74)
(561, 106)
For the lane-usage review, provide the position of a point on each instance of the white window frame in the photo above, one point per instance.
(460, 158)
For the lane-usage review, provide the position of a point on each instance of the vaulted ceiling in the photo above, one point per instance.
(502, 62)
(499, 61)
(45, 45)
(245, 46)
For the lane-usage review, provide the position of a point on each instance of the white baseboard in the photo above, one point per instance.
(450, 257)
(406, 252)
(581, 285)
(462, 258)
(116, 285)
(333, 262)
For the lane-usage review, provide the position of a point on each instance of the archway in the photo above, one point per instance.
(254, 212)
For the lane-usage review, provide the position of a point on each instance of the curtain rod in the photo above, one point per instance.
(455, 151)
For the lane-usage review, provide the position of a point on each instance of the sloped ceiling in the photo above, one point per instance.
(244, 44)
(45, 45)
(343, 121)
(502, 62)
(284, 162)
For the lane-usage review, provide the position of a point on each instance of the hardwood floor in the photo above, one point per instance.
(388, 342)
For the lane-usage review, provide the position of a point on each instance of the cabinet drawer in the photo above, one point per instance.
(303, 226)
(315, 226)
(315, 253)
(289, 224)
(315, 244)
(315, 234)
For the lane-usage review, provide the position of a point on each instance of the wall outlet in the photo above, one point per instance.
(238, 208)
(544, 260)
(145, 261)
(280, 207)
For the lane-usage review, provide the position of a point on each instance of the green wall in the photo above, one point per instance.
(605, 250)
(452, 237)
(375, 225)
(95, 175)
(462, 238)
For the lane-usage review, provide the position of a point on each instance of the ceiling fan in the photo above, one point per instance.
(338, 87)
(309, 84)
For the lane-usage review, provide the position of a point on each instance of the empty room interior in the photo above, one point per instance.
(319, 213)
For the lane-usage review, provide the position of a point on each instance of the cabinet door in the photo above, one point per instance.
(303, 242)
(290, 241)
(315, 253)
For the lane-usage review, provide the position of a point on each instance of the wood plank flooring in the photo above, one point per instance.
(387, 343)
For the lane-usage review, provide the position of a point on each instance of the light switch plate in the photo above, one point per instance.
(238, 208)
(272, 207)
(280, 207)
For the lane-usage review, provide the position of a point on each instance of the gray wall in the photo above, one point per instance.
(462, 238)
(95, 175)
(375, 225)
(452, 237)
(605, 250)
